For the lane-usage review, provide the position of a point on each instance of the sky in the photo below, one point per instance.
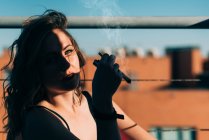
(92, 40)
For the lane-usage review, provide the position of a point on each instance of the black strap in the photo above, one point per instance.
(99, 115)
(109, 116)
(89, 99)
(58, 115)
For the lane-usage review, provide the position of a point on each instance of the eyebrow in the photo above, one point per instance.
(67, 46)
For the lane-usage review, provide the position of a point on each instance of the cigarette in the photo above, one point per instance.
(126, 78)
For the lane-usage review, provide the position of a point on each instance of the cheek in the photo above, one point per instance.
(75, 62)
(49, 73)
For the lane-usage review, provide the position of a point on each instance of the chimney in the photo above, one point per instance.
(186, 63)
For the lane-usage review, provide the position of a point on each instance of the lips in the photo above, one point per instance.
(67, 77)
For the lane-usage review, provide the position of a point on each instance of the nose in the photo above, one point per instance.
(64, 64)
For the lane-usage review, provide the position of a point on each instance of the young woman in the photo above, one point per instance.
(44, 99)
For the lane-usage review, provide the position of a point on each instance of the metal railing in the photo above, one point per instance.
(200, 22)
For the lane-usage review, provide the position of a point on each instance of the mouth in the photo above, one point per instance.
(69, 76)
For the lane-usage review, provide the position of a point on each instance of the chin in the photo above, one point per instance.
(66, 84)
(70, 83)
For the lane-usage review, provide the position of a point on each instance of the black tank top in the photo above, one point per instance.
(88, 97)
(41, 125)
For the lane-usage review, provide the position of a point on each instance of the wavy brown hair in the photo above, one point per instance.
(23, 86)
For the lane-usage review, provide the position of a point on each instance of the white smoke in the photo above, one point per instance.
(106, 8)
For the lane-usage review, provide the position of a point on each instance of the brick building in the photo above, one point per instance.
(156, 103)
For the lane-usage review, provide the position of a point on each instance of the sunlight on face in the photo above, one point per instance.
(68, 51)
(60, 69)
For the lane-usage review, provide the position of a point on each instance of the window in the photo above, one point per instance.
(173, 133)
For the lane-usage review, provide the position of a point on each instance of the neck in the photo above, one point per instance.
(67, 101)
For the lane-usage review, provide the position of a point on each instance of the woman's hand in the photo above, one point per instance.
(106, 81)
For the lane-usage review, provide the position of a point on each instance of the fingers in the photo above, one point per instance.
(96, 63)
(104, 58)
(111, 60)
(117, 71)
(116, 67)
(107, 59)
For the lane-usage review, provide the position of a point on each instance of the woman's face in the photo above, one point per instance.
(60, 66)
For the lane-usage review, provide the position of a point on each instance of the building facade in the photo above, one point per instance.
(169, 110)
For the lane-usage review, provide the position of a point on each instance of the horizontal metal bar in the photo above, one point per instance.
(176, 130)
(151, 80)
(200, 22)
(166, 130)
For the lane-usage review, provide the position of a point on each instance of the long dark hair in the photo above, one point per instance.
(23, 86)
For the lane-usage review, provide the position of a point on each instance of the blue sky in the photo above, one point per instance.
(91, 40)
